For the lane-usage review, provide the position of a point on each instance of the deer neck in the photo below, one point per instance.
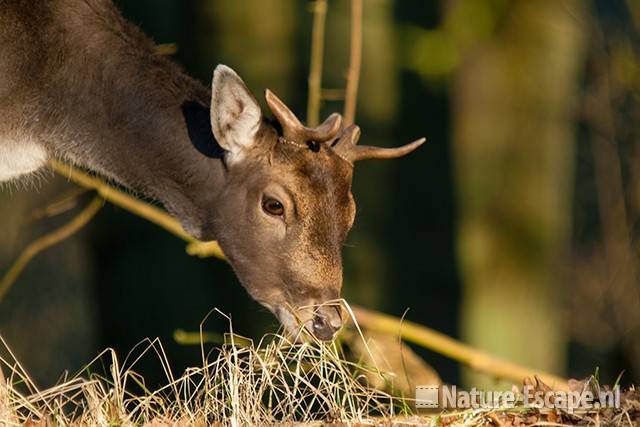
(145, 125)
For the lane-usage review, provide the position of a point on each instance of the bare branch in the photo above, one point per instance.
(329, 94)
(133, 205)
(167, 49)
(121, 199)
(319, 9)
(409, 331)
(355, 61)
(47, 241)
(60, 205)
(447, 346)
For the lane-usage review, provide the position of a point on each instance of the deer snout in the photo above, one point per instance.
(327, 321)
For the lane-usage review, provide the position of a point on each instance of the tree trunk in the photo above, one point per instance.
(514, 149)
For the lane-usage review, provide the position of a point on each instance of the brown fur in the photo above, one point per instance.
(87, 86)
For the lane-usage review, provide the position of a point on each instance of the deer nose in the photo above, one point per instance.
(327, 320)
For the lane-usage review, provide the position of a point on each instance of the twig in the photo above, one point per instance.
(330, 94)
(60, 205)
(183, 337)
(47, 241)
(456, 350)
(355, 61)
(409, 331)
(319, 8)
(139, 208)
(167, 49)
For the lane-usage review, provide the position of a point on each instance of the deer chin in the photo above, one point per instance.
(295, 327)
(308, 323)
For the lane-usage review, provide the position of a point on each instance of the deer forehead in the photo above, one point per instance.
(319, 183)
(326, 216)
(322, 171)
(322, 190)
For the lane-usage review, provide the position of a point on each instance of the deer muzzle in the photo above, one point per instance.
(323, 321)
(326, 322)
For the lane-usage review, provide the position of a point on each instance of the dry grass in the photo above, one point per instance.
(278, 380)
(274, 381)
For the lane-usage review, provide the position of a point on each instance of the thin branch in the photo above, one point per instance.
(329, 94)
(167, 49)
(60, 205)
(409, 331)
(47, 241)
(319, 9)
(355, 62)
(456, 350)
(137, 207)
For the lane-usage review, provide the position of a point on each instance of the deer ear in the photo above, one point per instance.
(235, 113)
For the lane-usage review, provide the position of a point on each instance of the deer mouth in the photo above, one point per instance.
(295, 327)
(290, 322)
(323, 322)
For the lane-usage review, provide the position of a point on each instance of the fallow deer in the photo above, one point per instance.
(80, 83)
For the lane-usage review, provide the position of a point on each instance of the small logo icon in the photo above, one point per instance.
(427, 396)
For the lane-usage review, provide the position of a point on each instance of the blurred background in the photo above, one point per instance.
(514, 229)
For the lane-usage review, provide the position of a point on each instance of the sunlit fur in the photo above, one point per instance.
(294, 261)
(82, 84)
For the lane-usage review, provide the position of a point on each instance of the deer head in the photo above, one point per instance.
(286, 206)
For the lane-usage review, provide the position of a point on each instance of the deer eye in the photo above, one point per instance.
(272, 207)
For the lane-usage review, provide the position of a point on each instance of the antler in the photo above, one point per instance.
(347, 148)
(294, 130)
(346, 145)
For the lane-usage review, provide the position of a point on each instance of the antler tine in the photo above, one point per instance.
(361, 152)
(294, 129)
(291, 126)
(347, 149)
(346, 143)
(327, 130)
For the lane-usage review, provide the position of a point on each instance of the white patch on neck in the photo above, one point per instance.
(20, 157)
